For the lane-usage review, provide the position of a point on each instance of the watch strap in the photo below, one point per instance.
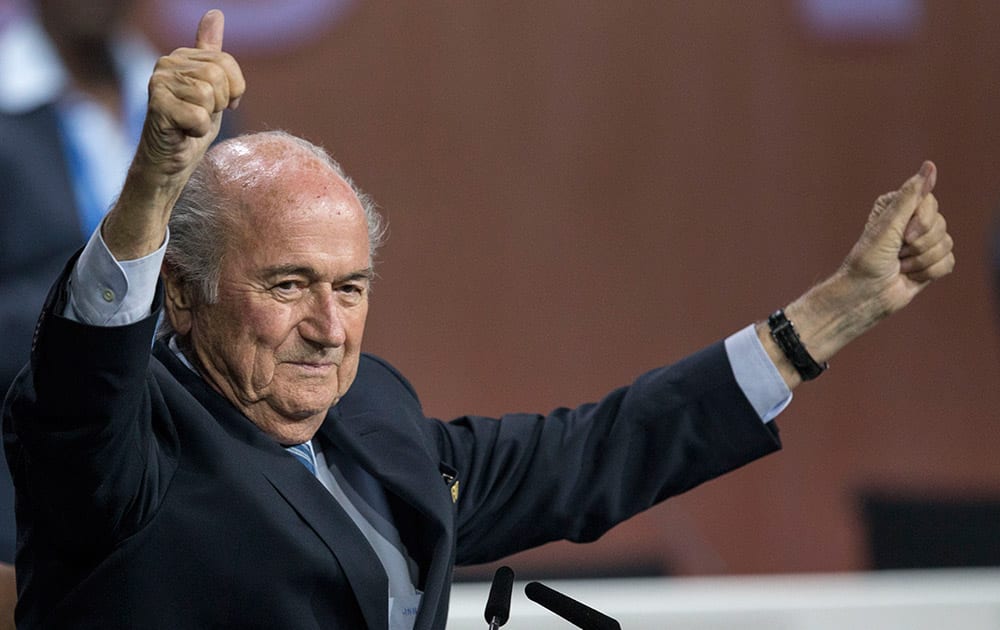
(784, 334)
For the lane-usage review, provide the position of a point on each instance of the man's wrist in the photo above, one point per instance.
(832, 314)
(784, 334)
(136, 225)
(827, 317)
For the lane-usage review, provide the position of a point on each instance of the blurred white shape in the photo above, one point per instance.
(862, 19)
(960, 599)
(254, 25)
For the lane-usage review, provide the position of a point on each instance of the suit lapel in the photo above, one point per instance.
(338, 532)
(393, 456)
(303, 492)
(390, 451)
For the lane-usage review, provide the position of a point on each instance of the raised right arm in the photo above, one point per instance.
(188, 92)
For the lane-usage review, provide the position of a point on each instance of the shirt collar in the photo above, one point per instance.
(175, 347)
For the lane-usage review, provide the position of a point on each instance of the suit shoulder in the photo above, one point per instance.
(377, 374)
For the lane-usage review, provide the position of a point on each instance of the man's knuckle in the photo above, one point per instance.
(206, 93)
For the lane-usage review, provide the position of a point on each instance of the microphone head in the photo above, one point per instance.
(498, 603)
(578, 614)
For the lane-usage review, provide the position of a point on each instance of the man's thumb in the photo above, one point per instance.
(904, 202)
(928, 175)
(210, 30)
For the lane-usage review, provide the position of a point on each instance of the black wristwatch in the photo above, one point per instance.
(783, 333)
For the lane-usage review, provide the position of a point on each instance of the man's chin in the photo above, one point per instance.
(298, 415)
(294, 427)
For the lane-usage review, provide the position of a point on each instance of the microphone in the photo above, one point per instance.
(498, 603)
(569, 609)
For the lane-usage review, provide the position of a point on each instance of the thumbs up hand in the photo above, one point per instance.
(904, 246)
(188, 92)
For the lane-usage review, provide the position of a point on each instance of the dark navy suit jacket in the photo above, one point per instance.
(145, 500)
(39, 230)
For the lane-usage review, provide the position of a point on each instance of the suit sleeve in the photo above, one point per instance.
(575, 473)
(81, 442)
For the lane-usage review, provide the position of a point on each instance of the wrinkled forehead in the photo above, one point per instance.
(277, 179)
(258, 162)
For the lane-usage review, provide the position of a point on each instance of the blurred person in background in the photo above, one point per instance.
(73, 81)
(72, 99)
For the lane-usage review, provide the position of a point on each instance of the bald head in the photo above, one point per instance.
(262, 160)
(234, 190)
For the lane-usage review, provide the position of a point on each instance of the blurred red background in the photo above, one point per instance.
(579, 191)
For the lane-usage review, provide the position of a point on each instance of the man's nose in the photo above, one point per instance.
(323, 323)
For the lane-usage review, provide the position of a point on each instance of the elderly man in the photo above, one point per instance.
(256, 470)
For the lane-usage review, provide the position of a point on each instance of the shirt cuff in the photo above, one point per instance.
(756, 374)
(106, 292)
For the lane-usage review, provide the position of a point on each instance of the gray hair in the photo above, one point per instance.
(205, 207)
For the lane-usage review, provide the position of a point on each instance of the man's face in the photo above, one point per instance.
(283, 340)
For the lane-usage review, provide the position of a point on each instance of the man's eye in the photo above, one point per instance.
(352, 291)
(288, 286)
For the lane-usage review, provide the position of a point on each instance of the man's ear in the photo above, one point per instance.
(178, 303)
